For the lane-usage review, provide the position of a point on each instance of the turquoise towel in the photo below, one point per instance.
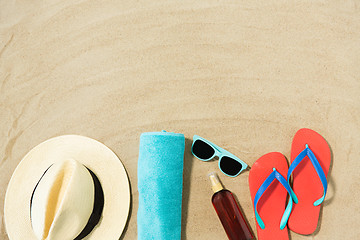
(160, 182)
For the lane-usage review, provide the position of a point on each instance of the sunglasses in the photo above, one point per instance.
(205, 150)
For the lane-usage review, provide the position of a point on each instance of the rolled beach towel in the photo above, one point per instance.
(160, 183)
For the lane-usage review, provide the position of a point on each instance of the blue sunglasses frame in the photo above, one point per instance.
(220, 153)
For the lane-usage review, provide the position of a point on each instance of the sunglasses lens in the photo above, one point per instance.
(230, 166)
(202, 150)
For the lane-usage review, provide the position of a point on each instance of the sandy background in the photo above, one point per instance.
(245, 75)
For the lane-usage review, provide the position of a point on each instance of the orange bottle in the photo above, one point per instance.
(229, 212)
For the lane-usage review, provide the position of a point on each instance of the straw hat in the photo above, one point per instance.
(68, 187)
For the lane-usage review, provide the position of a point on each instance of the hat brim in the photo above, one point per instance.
(92, 154)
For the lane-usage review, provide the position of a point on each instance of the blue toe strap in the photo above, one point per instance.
(274, 175)
(307, 152)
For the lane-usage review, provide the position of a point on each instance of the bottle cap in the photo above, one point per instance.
(215, 182)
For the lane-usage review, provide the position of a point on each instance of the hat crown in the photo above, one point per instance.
(63, 201)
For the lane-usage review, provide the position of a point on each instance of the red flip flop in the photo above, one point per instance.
(310, 163)
(269, 189)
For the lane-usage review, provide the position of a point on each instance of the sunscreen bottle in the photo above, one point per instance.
(229, 212)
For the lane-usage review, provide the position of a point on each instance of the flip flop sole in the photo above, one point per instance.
(271, 205)
(306, 182)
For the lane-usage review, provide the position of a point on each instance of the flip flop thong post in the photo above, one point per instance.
(269, 189)
(310, 163)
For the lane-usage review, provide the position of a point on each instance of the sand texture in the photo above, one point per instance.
(244, 74)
